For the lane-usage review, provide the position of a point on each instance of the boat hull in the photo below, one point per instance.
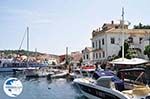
(93, 91)
(6, 69)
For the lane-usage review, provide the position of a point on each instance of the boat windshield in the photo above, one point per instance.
(115, 78)
(100, 73)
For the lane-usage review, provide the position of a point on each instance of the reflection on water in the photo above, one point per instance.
(41, 88)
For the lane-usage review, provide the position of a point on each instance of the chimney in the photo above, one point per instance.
(112, 22)
(99, 29)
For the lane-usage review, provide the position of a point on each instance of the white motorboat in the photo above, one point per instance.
(110, 87)
(58, 73)
(38, 72)
(84, 71)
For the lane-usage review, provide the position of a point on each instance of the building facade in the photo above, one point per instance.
(87, 55)
(107, 42)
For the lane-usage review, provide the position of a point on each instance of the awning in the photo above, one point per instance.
(133, 61)
(120, 61)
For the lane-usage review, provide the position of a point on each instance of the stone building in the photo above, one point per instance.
(107, 41)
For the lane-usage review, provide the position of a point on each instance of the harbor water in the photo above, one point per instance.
(41, 88)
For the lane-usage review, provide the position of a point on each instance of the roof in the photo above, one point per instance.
(132, 69)
(107, 26)
(129, 31)
(119, 30)
(87, 49)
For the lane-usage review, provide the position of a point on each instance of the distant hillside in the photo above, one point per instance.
(18, 52)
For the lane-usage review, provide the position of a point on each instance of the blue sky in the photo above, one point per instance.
(55, 24)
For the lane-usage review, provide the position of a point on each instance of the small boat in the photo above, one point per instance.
(38, 72)
(109, 86)
(88, 67)
(58, 73)
(84, 71)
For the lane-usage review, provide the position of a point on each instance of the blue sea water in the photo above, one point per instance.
(41, 88)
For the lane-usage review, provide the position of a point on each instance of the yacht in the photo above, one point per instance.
(107, 85)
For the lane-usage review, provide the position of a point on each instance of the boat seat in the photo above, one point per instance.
(138, 90)
(142, 90)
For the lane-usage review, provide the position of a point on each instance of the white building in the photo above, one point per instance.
(87, 55)
(107, 41)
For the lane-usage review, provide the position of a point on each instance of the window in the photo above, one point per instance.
(130, 39)
(112, 40)
(83, 56)
(93, 44)
(99, 55)
(96, 44)
(99, 44)
(87, 56)
(93, 55)
(116, 27)
(103, 41)
(103, 54)
(140, 40)
(96, 56)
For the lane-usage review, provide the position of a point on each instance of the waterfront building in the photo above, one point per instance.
(87, 55)
(76, 57)
(48, 58)
(107, 41)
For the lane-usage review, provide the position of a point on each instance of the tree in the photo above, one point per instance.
(141, 26)
(126, 48)
(128, 53)
(131, 53)
(147, 51)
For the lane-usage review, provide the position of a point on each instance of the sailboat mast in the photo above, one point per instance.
(122, 25)
(27, 43)
(66, 55)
